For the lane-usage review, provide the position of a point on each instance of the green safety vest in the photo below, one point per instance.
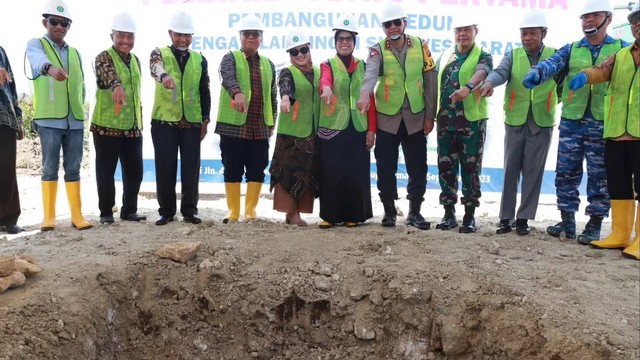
(517, 99)
(302, 119)
(475, 107)
(622, 102)
(398, 81)
(129, 115)
(581, 58)
(226, 112)
(171, 105)
(346, 91)
(53, 98)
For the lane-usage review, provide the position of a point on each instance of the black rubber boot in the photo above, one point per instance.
(449, 221)
(468, 221)
(414, 218)
(591, 230)
(566, 226)
(390, 213)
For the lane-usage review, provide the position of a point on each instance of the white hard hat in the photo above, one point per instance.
(295, 38)
(634, 10)
(533, 19)
(346, 22)
(592, 6)
(124, 22)
(251, 22)
(57, 7)
(461, 21)
(182, 23)
(392, 11)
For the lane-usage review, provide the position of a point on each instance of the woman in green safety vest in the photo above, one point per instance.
(293, 184)
(345, 135)
(622, 138)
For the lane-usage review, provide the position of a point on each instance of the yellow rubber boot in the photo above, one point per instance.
(251, 200)
(233, 202)
(49, 192)
(75, 205)
(622, 212)
(633, 250)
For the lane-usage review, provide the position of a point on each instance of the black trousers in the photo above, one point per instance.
(167, 142)
(414, 148)
(9, 195)
(622, 162)
(108, 151)
(239, 154)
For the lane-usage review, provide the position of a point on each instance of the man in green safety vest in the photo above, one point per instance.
(179, 119)
(59, 97)
(406, 95)
(117, 122)
(622, 136)
(529, 117)
(246, 113)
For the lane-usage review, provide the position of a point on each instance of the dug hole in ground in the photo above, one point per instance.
(267, 290)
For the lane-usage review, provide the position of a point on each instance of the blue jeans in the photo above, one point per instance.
(51, 141)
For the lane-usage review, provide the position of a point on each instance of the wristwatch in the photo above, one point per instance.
(45, 69)
(470, 86)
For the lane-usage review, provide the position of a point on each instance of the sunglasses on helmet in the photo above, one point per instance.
(63, 23)
(302, 50)
(396, 22)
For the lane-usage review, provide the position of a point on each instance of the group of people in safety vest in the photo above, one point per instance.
(329, 117)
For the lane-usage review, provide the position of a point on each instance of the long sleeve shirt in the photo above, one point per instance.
(38, 59)
(107, 78)
(10, 112)
(158, 72)
(254, 128)
(375, 67)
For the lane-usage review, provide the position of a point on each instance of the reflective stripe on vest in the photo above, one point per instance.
(581, 58)
(622, 102)
(53, 98)
(517, 99)
(302, 118)
(346, 90)
(226, 111)
(171, 105)
(106, 113)
(399, 80)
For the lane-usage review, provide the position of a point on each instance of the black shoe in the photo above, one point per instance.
(468, 225)
(107, 219)
(164, 220)
(390, 213)
(133, 217)
(447, 223)
(504, 227)
(13, 229)
(522, 227)
(192, 219)
(418, 221)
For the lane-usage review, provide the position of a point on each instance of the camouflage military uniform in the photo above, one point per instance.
(460, 142)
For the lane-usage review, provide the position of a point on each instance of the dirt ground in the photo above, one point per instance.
(266, 290)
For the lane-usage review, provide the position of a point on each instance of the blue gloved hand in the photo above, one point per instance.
(578, 81)
(531, 79)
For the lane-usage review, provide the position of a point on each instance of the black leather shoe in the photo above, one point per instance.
(192, 219)
(504, 227)
(14, 229)
(522, 227)
(388, 220)
(447, 223)
(468, 225)
(418, 221)
(133, 217)
(164, 220)
(107, 219)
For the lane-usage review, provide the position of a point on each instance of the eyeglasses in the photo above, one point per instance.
(342, 39)
(63, 23)
(396, 22)
(252, 33)
(302, 50)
